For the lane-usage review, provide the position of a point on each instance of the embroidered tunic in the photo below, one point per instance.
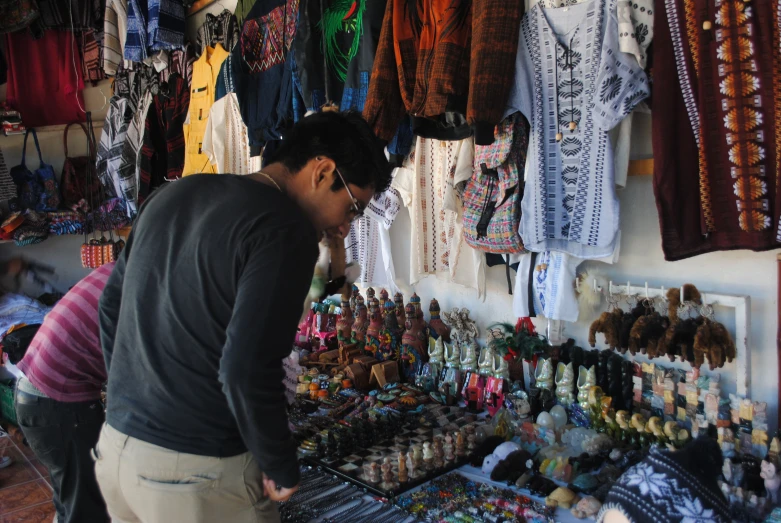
(716, 126)
(225, 140)
(569, 69)
(427, 186)
(369, 242)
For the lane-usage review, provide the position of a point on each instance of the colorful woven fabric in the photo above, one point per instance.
(15, 15)
(92, 56)
(265, 41)
(66, 222)
(33, 230)
(221, 29)
(492, 198)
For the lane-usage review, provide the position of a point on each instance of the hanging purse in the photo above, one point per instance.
(492, 197)
(36, 190)
(74, 178)
(97, 251)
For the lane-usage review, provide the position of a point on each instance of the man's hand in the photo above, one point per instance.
(275, 493)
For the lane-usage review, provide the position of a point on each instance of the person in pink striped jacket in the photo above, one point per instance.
(58, 400)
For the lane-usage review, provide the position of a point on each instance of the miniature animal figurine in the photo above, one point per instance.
(770, 474)
(587, 507)
(608, 323)
(713, 339)
(561, 497)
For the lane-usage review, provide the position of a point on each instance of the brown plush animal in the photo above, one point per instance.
(713, 339)
(681, 343)
(608, 323)
(690, 293)
(647, 335)
(627, 322)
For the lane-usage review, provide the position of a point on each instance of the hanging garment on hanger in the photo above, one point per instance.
(261, 64)
(717, 126)
(92, 56)
(573, 85)
(180, 61)
(448, 64)
(114, 34)
(162, 153)
(110, 147)
(205, 72)
(368, 243)
(45, 78)
(225, 140)
(153, 25)
(427, 184)
(221, 29)
(130, 158)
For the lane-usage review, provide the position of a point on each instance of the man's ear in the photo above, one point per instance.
(323, 171)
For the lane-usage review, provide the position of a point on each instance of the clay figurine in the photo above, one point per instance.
(770, 474)
(565, 384)
(501, 369)
(544, 374)
(422, 325)
(452, 355)
(403, 475)
(344, 325)
(469, 357)
(587, 507)
(587, 378)
(437, 327)
(485, 364)
(398, 300)
(390, 335)
(428, 455)
(470, 332)
(436, 356)
(412, 346)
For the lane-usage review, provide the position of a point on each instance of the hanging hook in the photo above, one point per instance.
(664, 296)
(577, 283)
(681, 294)
(646, 290)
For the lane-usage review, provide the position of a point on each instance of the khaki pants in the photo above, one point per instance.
(144, 483)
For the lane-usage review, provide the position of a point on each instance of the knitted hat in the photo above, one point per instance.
(672, 487)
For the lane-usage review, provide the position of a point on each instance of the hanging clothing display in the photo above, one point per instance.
(180, 61)
(225, 139)
(162, 153)
(205, 72)
(260, 64)
(153, 25)
(717, 126)
(110, 146)
(220, 29)
(448, 64)
(368, 243)
(427, 184)
(44, 80)
(114, 34)
(573, 85)
(130, 159)
(91, 52)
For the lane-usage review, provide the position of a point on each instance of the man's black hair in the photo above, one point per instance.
(345, 138)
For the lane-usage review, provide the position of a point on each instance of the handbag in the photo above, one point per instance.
(97, 251)
(36, 190)
(75, 192)
(16, 342)
(492, 197)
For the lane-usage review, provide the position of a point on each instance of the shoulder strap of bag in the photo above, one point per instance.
(37, 146)
(24, 149)
(65, 136)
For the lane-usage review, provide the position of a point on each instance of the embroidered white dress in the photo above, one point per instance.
(428, 186)
(369, 242)
(225, 140)
(569, 69)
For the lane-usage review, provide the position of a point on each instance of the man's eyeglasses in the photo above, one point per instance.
(357, 209)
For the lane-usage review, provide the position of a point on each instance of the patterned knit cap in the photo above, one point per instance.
(672, 487)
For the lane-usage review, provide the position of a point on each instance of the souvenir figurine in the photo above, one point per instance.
(422, 325)
(437, 327)
(412, 346)
(587, 507)
(587, 378)
(390, 337)
(544, 374)
(403, 476)
(453, 320)
(770, 474)
(501, 369)
(383, 296)
(373, 474)
(361, 323)
(565, 384)
(469, 358)
(460, 444)
(344, 324)
(448, 448)
(417, 456)
(436, 355)
(494, 395)
(452, 355)
(485, 364)
(375, 325)
(439, 453)
(471, 332)
(411, 467)
(387, 473)
(428, 456)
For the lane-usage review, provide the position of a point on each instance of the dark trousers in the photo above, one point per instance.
(62, 435)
